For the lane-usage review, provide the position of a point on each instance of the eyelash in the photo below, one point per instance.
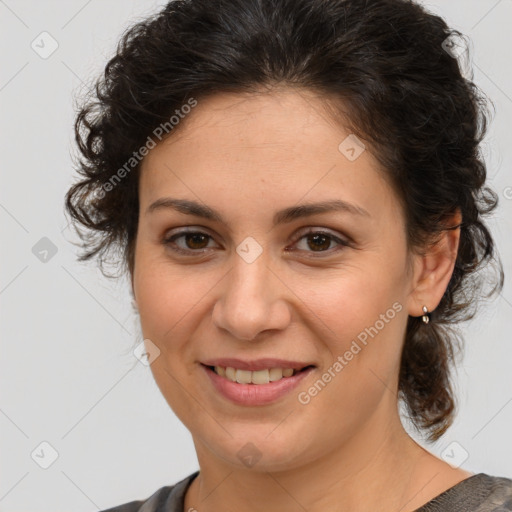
(169, 242)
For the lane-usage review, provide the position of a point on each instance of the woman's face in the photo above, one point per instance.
(329, 290)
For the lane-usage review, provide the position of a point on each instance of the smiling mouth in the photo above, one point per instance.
(258, 377)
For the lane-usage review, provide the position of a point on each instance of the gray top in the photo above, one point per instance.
(478, 493)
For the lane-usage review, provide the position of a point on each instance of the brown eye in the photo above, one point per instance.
(193, 241)
(196, 240)
(320, 242)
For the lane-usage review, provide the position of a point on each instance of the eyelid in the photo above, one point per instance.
(320, 230)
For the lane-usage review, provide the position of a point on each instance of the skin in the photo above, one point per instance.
(248, 156)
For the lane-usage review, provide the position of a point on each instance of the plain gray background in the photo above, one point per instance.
(68, 376)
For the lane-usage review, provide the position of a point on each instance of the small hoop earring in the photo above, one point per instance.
(425, 316)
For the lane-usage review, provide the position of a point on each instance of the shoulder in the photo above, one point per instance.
(166, 499)
(153, 504)
(478, 493)
(500, 494)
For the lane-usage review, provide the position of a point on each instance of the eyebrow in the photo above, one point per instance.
(284, 216)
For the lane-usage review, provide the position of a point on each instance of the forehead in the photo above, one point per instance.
(279, 146)
(264, 122)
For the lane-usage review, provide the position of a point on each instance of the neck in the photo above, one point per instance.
(379, 468)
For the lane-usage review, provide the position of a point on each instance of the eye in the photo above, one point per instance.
(320, 242)
(313, 241)
(194, 241)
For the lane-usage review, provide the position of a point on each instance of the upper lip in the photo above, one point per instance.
(256, 364)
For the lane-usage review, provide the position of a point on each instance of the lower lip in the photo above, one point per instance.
(255, 394)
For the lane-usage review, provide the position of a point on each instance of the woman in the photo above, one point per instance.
(297, 192)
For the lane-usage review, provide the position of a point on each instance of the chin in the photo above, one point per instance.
(257, 449)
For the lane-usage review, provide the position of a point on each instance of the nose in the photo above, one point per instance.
(252, 301)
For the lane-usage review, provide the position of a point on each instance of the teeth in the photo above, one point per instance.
(260, 377)
(243, 376)
(256, 377)
(275, 374)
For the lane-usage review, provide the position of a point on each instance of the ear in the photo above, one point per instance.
(433, 270)
(132, 290)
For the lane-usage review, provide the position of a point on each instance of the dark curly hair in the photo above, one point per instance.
(386, 68)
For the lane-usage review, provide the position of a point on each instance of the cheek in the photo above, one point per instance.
(159, 296)
(169, 296)
(361, 311)
(163, 301)
(363, 319)
(349, 299)
(167, 302)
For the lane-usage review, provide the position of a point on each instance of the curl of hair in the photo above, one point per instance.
(381, 67)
